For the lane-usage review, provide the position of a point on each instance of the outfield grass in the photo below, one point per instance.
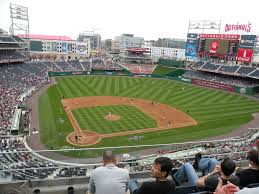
(161, 70)
(217, 112)
(131, 118)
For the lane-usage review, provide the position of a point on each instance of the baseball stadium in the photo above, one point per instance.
(62, 106)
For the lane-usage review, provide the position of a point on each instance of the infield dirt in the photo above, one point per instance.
(166, 117)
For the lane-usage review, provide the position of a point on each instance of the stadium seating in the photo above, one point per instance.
(237, 70)
(10, 159)
(70, 172)
(228, 69)
(211, 66)
(8, 46)
(18, 78)
(86, 65)
(11, 55)
(103, 64)
(255, 74)
(140, 68)
(15, 80)
(76, 65)
(235, 149)
(10, 39)
(245, 70)
(186, 190)
(210, 76)
(17, 39)
(6, 39)
(198, 64)
(64, 66)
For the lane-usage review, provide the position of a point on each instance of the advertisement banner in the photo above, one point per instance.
(233, 47)
(192, 35)
(189, 58)
(54, 47)
(247, 41)
(192, 41)
(190, 50)
(221, 36)
(64, 47)
(69, 47)
(211, 84)
(81, 48)
(136, 49)
(217, 46)
(213, 46)
(238, 27)
(244, 55)
(191, 46)
(245, 90)
(188, 80)
(77, 73)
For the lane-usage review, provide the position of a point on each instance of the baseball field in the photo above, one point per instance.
(99, 111)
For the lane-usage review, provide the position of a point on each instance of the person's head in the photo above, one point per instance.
(162, 166)
(109, 157)
(227, 166)
(252, 156)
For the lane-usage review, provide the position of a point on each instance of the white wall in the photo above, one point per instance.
(163, 52)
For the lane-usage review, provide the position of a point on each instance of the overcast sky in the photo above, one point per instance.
(145, 18)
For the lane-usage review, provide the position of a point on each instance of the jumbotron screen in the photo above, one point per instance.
(218, 46)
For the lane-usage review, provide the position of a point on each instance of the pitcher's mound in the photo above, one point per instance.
(112, 117)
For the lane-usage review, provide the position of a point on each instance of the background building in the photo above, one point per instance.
(126, 41)
(256, 53)
(164, 52)
(169, 43)
(107, 44)
(167, 53)
(95, 39)
(59, 46)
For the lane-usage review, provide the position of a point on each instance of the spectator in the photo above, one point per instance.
(250, 175)
(233, 189)
(161, 168)
(109, 179)
(205, 164)
(248, 191)
(226, 189)
(210, 181)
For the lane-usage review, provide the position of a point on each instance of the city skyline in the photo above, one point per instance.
(150, 20)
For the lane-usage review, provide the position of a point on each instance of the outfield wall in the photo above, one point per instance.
(171, 63)
(226, 87)
(70, 73)
(215, 85)
(198, 82)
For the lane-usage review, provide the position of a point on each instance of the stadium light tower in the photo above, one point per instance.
(20, 21)
(201, 25)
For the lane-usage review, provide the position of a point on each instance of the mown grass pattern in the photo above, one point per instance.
(217, 112)
(161, 70)
(131, 118)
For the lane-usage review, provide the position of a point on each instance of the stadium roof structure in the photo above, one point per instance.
(236, 70)
(137, 50)
(46, 37)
